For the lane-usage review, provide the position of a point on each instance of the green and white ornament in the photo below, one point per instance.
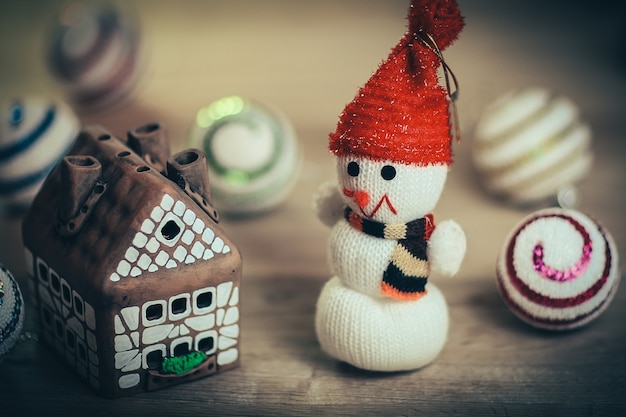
(253, 154)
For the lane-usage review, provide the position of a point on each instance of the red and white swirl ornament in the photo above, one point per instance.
(558, 269)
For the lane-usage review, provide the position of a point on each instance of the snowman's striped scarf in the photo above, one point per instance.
(407, 273)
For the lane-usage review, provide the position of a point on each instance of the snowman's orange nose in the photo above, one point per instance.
(362, 198)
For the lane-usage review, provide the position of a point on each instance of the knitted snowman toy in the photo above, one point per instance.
(393, 149)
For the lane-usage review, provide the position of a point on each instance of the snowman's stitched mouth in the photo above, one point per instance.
(383, 199)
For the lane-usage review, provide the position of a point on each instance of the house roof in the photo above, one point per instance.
(136, 220)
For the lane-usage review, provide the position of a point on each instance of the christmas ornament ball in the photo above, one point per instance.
(35, 133)
(253, 154)
(558, 269)
(11, 311)
(531, 144)
(94, 52)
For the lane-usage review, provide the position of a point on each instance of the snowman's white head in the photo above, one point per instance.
(387, 191)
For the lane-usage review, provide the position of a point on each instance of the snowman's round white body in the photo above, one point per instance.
(354, 321)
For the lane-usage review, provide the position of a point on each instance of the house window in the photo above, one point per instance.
(81, 351)
(79, 308)
(55, 283)
(46, 316)
(204, 300)
(66, 293)
(153, 356)
(179, 306)
(170, 229)
(43, 272)
(70, 340)
(181, 346)
(181, 349)
(154, 312)
(154, 359)
(59, 327)
(205, 342)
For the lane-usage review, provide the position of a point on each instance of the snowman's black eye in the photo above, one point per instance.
(353, 169)
(388, 172)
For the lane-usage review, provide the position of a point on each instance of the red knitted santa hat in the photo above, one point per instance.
(401, 114)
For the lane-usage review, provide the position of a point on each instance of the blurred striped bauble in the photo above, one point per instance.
(558, 269)
(94, 53)
(252, 152)
(35, 133)
(11, 311)
(529, 145)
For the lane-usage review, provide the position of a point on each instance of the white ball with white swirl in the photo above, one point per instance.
(11, 311)
(531, 144)
(35, 133)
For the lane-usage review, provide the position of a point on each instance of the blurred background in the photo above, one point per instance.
(308, 59)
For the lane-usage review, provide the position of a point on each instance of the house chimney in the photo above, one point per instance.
(188, 169)
(80, 178)
(150, 142)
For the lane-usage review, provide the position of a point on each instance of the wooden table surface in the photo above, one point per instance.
(308, 59)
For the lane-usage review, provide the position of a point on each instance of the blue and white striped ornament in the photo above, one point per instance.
(35, 133)
(11, 311)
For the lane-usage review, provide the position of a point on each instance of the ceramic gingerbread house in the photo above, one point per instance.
(136, 285)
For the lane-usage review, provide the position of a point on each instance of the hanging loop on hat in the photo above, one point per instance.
(429, 42)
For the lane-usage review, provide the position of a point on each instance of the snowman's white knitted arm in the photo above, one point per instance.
(446, 248)
(328, 203)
